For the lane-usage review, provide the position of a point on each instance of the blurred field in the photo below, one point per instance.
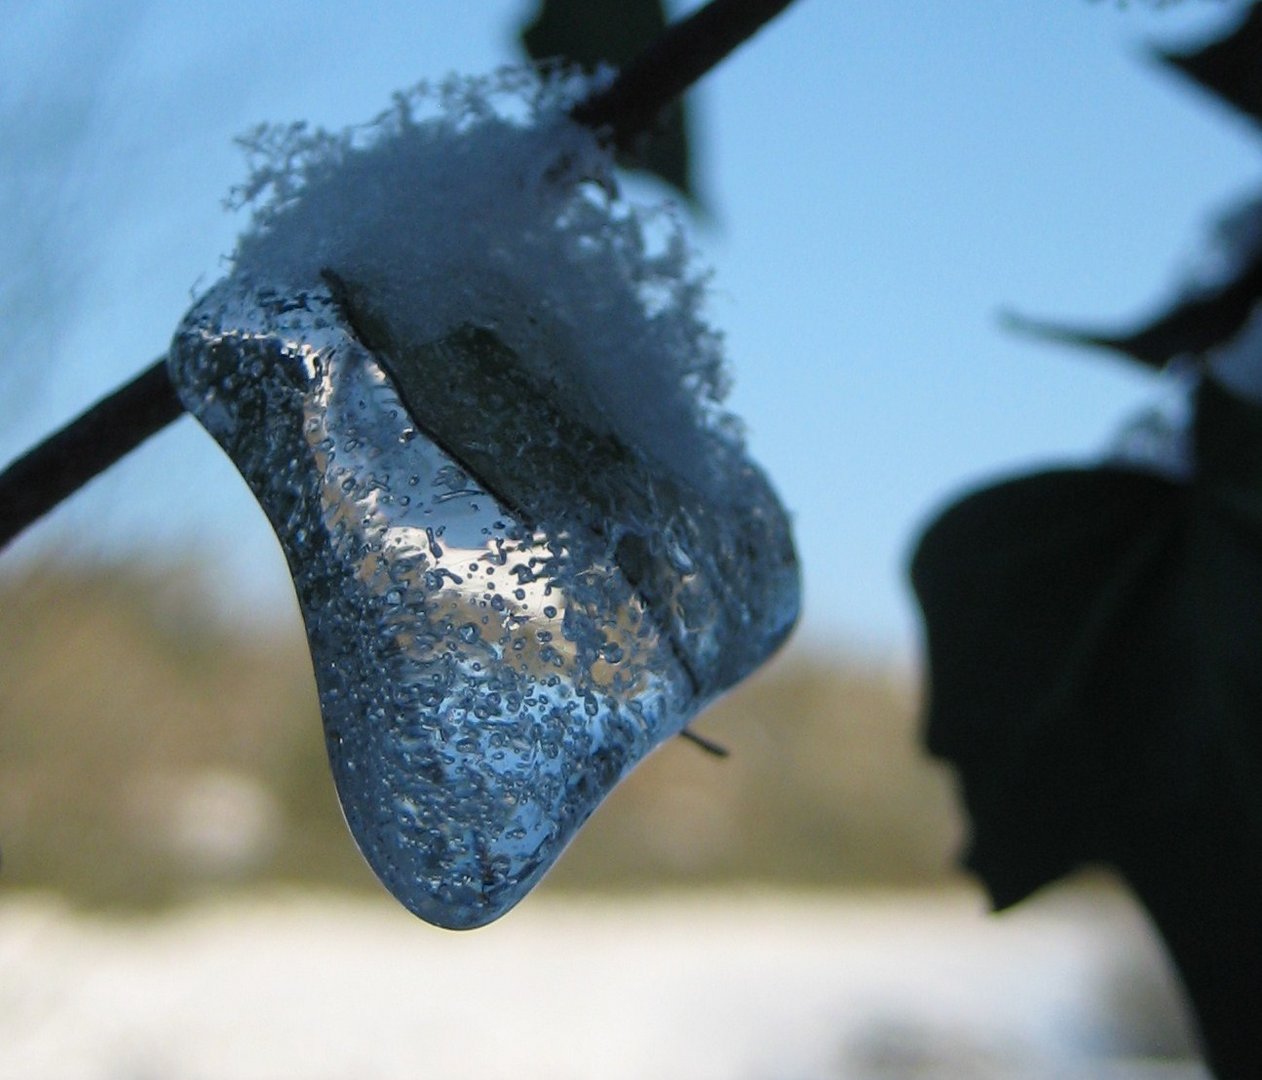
(155, 760)
(149, 753)
(711, 985)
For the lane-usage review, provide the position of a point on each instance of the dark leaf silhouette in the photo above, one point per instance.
(1190, 328)
(1026, 589)
(593, 32)
(1094, 638)
(1210, 315)
(1228, 67)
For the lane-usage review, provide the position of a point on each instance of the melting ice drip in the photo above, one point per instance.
(510, 598)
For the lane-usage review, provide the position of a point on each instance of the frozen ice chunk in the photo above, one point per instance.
(518, 573)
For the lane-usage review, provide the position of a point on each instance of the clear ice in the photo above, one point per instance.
(513, 589)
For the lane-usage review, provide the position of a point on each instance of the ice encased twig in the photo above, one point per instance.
(526, 542)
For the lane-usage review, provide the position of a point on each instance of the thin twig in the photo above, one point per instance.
(708, 745)
(56, 468)
(630, 105)
(68, 459)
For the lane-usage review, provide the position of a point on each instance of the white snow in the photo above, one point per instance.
(479, 201)
(707, 986)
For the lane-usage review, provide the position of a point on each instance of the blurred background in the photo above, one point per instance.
(178, 894)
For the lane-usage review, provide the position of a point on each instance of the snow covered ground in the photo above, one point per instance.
(751, 986)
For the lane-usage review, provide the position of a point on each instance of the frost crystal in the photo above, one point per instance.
(482, 412)
(1158, 439)
(1237, 364)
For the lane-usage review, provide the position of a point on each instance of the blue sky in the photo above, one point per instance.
(884, 179)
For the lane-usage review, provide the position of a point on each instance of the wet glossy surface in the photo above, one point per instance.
(489, 666)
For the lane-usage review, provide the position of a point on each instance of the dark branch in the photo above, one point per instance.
(88, 445)
(630, 105)
(626, 109)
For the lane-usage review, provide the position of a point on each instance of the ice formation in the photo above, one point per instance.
(480, 408)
